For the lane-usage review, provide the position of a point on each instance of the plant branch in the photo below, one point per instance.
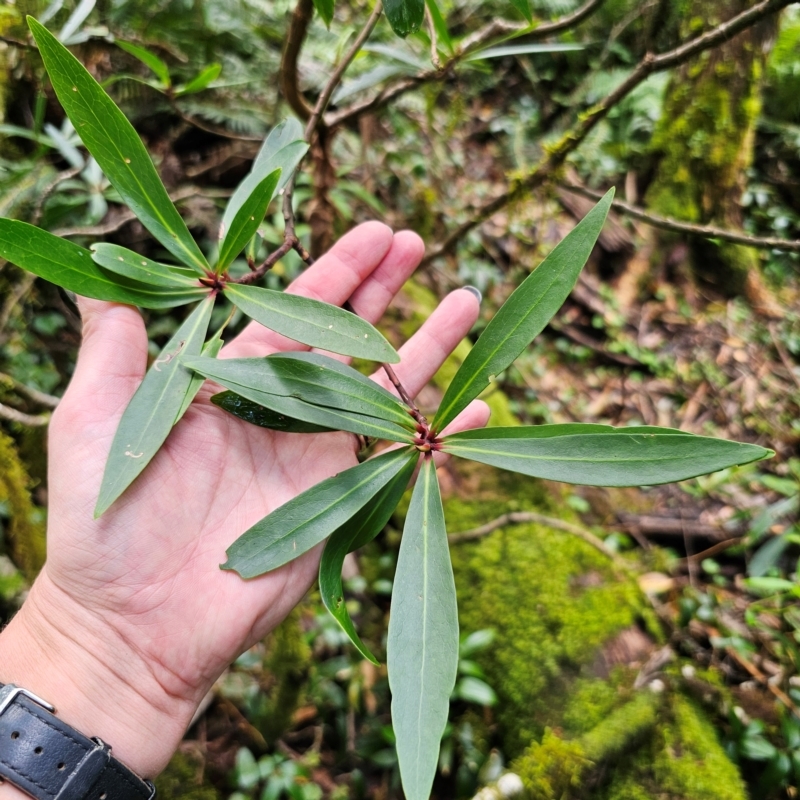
(48, 190)
(435, 60)
(42, 398)
(520, 517)
(406, 398)
(706, 231)
(557, 154)
(12, 415)
(298, 27)
(497, 29)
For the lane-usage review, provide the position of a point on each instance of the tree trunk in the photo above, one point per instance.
(705, 141)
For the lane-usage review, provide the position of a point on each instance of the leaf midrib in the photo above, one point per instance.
(127, 167)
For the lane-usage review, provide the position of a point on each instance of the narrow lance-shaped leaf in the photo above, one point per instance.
(70, 266)
(125, 262)
(440, 25)
(524, 8)
(524, 315)
(116, 146)
(262, 387)
(210, 350)
(355, 533)
(308, 519)
(201, 81)
(160, 69)
(405, 16)
(282, 149)
(611, 457)
(319, 379)
(325, 10)
(256, 414)
(154, 408)
(245, 224)
(312, 322)
(423, 637)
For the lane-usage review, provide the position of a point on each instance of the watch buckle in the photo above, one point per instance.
(10, 692)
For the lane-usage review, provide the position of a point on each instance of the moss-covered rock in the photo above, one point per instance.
(183, 780)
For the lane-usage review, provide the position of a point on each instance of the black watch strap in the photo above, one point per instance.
(49, 760)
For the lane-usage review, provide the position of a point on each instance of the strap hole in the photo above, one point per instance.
(38, 750)
(61, 765)
(15, 735)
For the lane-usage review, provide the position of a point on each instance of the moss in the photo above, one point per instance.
(183, 780)
(551, 768)
(552, 599)
(288, 663)
(25, 533)
(623, 728)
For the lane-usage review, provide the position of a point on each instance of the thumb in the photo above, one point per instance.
(111, 361)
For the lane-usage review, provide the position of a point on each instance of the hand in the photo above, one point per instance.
(131, 620)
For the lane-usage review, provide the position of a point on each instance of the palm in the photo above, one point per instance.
(151, 562)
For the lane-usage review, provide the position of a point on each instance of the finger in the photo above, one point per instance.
(426, 351)
(371, 299)
(331, 279)
(475, 415)
(111, 361)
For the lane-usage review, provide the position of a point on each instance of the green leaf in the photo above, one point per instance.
(245, 224)
(116, 146)
(122, 261)
(67, 265)
(152, 411)
(311, 322)
(325, 10)
(524, 315)
(355, 533)
(160, 69)
(440, 25)
(200, 81)
(210, 350)
(405, 16)
(474, 690)
(255, 414)
(256, 380)
(283, 149)
(524, 8)
(422, 649)
(523, 49)
(319, 379)
(767, 556)
(613, 457)
(311, 517)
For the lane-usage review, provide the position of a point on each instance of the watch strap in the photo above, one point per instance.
(50, 760)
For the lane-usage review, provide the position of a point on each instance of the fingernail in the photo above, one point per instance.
(476, 292)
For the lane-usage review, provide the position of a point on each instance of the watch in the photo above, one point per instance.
(50, 760)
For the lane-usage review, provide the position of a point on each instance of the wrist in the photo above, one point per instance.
(97, 682)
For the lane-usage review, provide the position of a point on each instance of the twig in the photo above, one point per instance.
(519, 517)
(48, 190)
(497, 29)
(192, 120)
(12, 415)
(301, 17)
(43, 399)
(124, 217)
(435, 60)
(405, 397)
(338, 73)
(706, 231)
(669, 526)
(557, 155)
(19, 291)
(784, 356)
(714, 550)
(266, 264)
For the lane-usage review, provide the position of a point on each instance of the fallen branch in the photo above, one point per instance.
(670, 526)
(557, 155)
(520, 517)
(706, 231)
